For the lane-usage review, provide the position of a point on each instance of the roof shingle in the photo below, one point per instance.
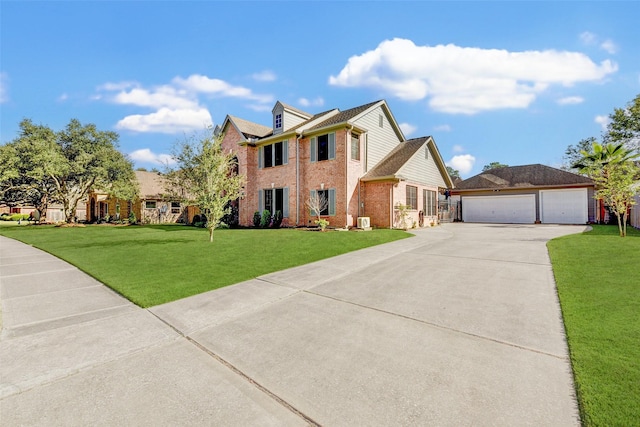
(526, 176)
(396, 159)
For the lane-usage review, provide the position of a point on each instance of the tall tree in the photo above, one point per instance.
(205, 176)
(494, 165)
(62, 167)
(614, 170)
(23, 177)
(573, 153)
(453, 173)
(625, 125)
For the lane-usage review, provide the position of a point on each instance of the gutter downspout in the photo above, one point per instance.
(298, 179)
(346, 177)
(391, 206)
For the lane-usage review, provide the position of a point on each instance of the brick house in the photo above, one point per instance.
(358, 159)
(152, 205)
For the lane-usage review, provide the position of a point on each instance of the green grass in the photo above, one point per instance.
(151, 265)
(598, 279)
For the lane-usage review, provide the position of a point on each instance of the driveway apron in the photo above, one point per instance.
(458, 325)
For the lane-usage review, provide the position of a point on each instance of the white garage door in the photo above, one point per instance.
(516, 209)
(564, 206)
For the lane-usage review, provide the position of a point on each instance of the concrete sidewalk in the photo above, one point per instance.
(459, 325)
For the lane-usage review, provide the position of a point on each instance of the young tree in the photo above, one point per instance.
(614, 170)
(317, 203)
(62, 167)
(494, 165)
(205, 176)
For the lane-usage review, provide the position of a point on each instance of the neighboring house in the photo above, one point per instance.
(634, 214)
(526, 195)
(358, 159)
(152, 206)
(55, 212)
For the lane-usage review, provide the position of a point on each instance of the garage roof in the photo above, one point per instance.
(526, 176)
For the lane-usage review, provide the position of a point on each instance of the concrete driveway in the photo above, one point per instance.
(459, 325)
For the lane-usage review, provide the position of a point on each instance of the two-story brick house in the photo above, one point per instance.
(358, 159)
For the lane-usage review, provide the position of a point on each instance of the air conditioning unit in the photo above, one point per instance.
(364, 222)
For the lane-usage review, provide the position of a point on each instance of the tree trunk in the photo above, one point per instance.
(211, 234)
(619, 224)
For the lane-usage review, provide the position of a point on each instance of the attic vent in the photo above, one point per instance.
(380, 122)
(426, 153)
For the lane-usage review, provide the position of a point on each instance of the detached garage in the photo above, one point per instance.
(526, 195)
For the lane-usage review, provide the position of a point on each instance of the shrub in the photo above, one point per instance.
(256, 219)
(196, 220)
(277, 219)
(132, 218)
(16, 217)
(265, 221)
(323, 223)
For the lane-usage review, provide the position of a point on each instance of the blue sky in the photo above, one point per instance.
(513, 82)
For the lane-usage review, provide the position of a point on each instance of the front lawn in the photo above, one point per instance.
(154, 264)
(598, 279)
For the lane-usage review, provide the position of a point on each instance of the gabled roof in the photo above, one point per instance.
(292, 109)
(344, 116)
(152, 184)
(396, 159)
(526, 176)
(392, 163)
(248, 129)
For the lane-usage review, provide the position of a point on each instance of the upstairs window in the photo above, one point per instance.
(323, 147)
(278, 121)
(412, 197)
(355, 147)
(273, 155)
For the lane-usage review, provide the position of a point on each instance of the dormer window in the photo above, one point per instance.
(278, 121)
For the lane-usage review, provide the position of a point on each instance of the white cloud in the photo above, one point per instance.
(442, 128)
(591, 39)
(167, 120)
(467, 80)
(176, 107)
(145, 155)
(113, 86)
(570, 100)
(318, 102)
(63, 97)
(407, 128)
(603, 121)
(463, 163)
(588, 38)
(159, 97)
(202, 84)
(4, 87)
(264, 76)
(609, 46)
(458, 149)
